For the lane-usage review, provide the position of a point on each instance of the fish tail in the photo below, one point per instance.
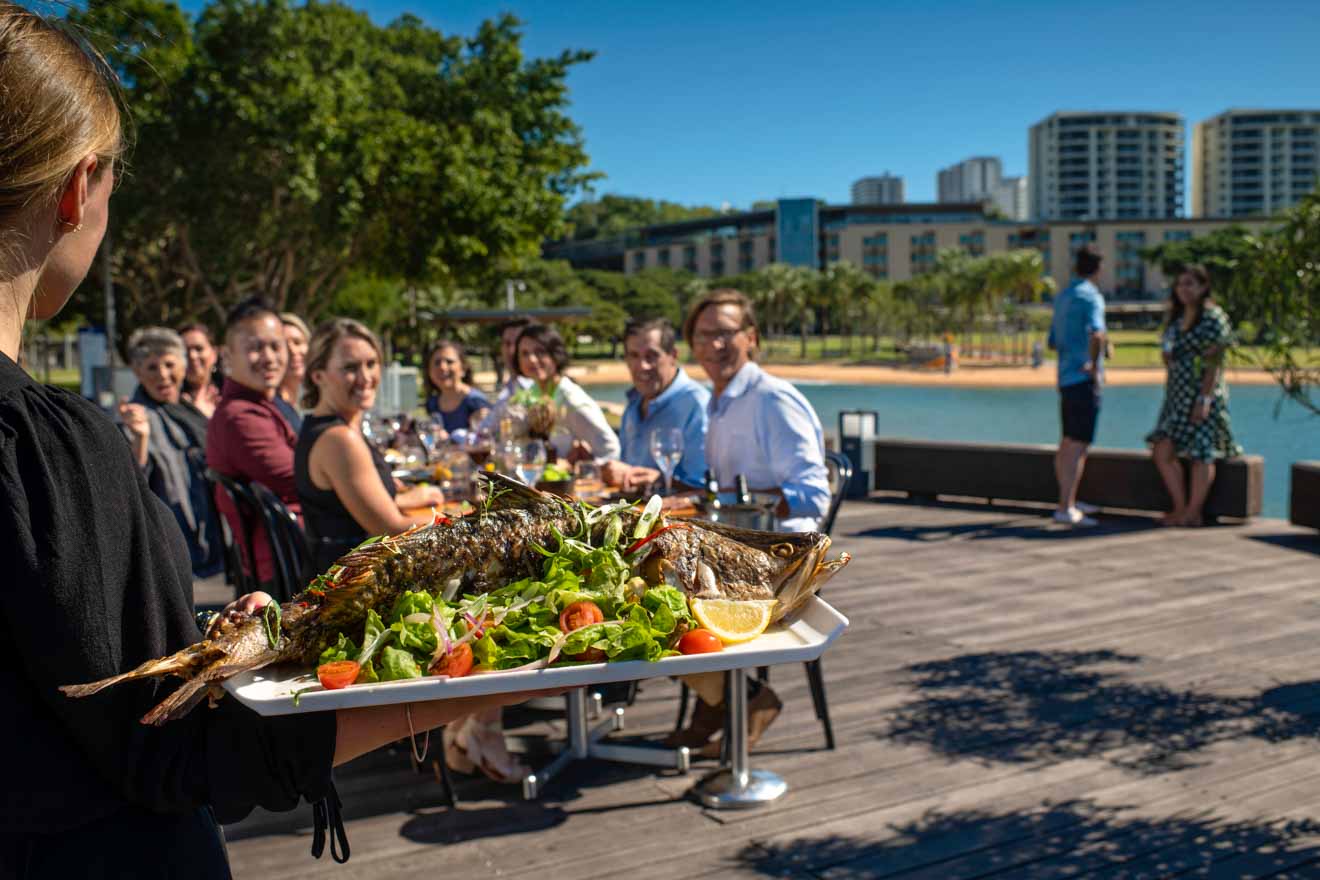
(813, 575)
(179, 703)
(181, 663)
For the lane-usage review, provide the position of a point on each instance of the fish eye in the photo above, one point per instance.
(782, 550)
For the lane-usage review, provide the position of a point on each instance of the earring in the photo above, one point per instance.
(72, 228)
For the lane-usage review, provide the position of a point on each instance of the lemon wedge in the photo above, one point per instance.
(731, 621)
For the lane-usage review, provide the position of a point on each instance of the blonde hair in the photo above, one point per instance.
(289, 319)
(322, 346)
(58, 104)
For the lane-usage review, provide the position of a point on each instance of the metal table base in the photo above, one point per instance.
(736, 787)
(585, 742)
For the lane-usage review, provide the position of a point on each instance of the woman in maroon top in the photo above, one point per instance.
(248, 438)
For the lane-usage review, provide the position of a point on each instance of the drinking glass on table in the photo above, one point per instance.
(531, 462)
(479, 445)
(667, 450)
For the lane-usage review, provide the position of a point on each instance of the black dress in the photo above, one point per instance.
(331, 529)
(97, 580)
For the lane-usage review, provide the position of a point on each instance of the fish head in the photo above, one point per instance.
(712, 560)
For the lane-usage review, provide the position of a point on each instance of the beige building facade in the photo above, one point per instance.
(902, 242)
(1106, 165)
(1254, 163)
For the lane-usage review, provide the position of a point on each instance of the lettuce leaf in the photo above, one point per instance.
(397, 664)
(410, 603)
(344, 649)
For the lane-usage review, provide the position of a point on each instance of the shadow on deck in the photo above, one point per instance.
(1011, 701)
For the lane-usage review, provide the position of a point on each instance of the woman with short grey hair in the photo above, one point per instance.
(167, 444)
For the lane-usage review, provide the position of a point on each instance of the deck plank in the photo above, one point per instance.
(1011, 700)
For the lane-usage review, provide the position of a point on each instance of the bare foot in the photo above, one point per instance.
(1172, 519)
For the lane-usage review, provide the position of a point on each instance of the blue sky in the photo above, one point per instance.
(712, 102)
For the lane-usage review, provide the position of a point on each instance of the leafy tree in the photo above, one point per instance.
(1220, 251)
(612, 215)
(1275, 286)
(285, 146)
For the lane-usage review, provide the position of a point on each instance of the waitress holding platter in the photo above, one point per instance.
(98, 577)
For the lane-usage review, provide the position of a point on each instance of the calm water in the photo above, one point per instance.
(1030, 415)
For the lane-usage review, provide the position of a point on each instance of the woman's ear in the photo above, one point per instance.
(73, 199)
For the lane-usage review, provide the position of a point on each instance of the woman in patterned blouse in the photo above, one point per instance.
(1193, 421)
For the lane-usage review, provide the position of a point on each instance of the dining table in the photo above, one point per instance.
(733, 785)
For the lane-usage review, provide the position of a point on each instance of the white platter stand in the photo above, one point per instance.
(271, 691)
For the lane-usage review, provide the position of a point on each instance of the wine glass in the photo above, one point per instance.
(667, 450)
(531, 462)
(479, 445)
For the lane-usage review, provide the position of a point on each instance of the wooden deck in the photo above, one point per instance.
(1011, 701)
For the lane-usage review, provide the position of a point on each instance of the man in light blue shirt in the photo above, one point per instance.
(760, 426)
(764, 429)
(663, 397)
(1078, 333)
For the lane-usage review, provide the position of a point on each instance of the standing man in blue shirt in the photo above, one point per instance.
(764, 429)
(1078, 333)
(663, 396)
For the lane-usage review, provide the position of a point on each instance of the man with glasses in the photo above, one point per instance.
(663, 397)
(760, 427)
(763, 429)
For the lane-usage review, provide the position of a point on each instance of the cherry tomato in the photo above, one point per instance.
(455, 664)
(580, 614)
(699, 641)
(341, 673)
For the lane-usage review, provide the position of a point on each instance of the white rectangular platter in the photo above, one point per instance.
(270, 691)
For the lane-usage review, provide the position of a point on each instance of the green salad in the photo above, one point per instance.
(586, 606)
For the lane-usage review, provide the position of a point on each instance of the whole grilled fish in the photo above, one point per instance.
(473, 554)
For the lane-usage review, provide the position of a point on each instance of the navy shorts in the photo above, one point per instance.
(1079, 407)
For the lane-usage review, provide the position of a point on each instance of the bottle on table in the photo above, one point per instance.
(712, 497)
(744, 494)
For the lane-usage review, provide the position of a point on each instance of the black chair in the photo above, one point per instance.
(243, 502)
(839, 472)
(231, 545)
(288, 543)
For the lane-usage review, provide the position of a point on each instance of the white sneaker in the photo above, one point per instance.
(1087, 508)
(1073, 517)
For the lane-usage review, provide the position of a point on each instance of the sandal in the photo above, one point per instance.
(456, 753)
(484, 744)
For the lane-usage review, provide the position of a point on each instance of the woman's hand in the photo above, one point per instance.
(245, 606)
(134, 418)
(581, 451)
(1201, 409)
(421, 496)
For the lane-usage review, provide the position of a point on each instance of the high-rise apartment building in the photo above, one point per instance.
(971, 180)
(1010, 197)
(1252, 163)
(887, 189)
(1106, 165)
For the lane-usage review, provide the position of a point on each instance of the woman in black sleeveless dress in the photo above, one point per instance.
(344, 484)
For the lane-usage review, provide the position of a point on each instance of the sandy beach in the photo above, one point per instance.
(616, 372)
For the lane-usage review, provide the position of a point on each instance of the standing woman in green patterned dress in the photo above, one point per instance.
(1194, 418)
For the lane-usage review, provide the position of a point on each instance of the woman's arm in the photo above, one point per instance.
(587, 422)
(341, 458)
(1213, 359)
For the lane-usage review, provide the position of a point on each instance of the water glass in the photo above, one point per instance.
(531, 462)
(667, 450)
